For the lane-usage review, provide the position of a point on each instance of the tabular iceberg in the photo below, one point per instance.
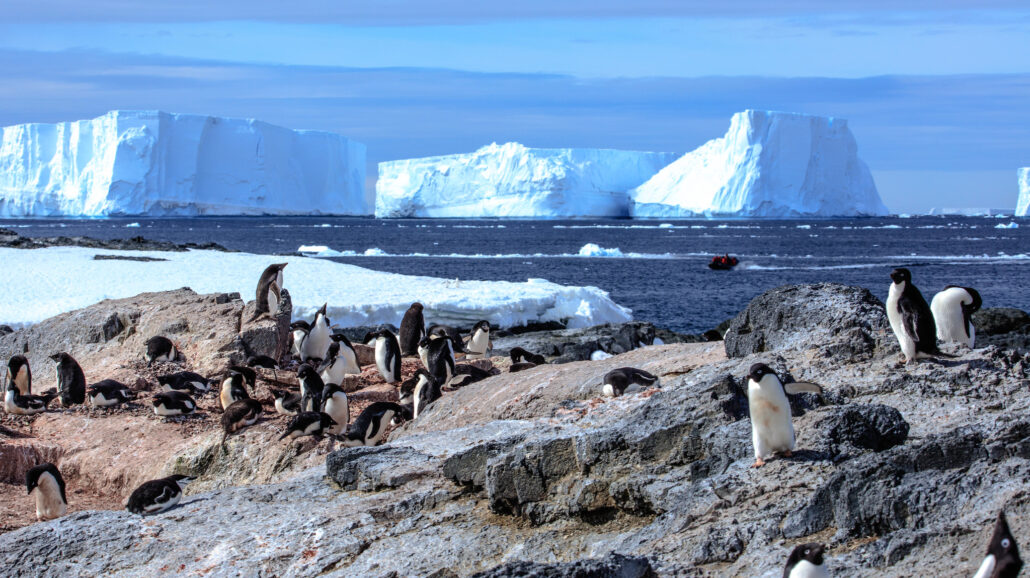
(769, 164)
(1023, 203)
(161, 164)
(511, 180)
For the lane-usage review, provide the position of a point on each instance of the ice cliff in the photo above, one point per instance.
(511, 180)
(161, 164)
(1023, 203)
(769, 164)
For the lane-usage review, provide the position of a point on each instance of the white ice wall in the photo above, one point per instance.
(769, 164)
(1023, 202)
(161, 164)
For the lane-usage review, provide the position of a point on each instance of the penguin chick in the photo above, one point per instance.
(71, 381)
(46, 483)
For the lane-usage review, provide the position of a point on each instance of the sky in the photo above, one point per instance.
(936, 93)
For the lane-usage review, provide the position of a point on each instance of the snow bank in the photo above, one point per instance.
(160, 164)
(511, 180)
(1023, 202)
(769, 164)
(59, 279)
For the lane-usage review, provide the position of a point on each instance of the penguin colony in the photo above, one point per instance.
(321, 407)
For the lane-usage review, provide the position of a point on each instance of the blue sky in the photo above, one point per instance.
(937, 94)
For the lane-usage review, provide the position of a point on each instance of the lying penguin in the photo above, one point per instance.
(108, 393)
(286, 403)
(308, 423)
(772, 430)
(173, 403)
(370, 427)
(239, 415)
(156, 496)
(617, 381)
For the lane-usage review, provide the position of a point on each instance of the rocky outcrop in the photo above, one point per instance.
(565, 345)
(12, 239)
(897, 467)
(1005, 327)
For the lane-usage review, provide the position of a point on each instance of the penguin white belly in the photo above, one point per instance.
(478, 346)
(806, 569)
(418, 395)
(382, 361)
(608, 390)
(947, 314)
(317, 343)
(200, 386)
(100, 400)
(374, 440)
(9, 406)
(273, 302)
(771, 427)
(298, 341)
(279, 407)
(986, 567)
(350, 361)
(49, 504)
(334, 373)
(908, 345)
(337, 408)
(163, 502)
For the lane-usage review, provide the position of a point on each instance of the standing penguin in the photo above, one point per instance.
(269, 290)
(771, 427)
(806, 561)
(1002, 560)
(616, 381)
(413, 329)
(317, 343)
(299, 331)
(437, 358)
(388, 355)
(479, 344)
(311, 386)
(449, 332)
(334, 404)
(233, 389)
(370, 427)
(46, 483)
(71, 382)
(427, 390)
(160, 348)
(910, 317)
(953, 310)
(19, 373)
(156, 496)
(341, 361)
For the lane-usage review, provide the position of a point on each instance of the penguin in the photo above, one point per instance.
(248, 373)
(18, 404)
(1002, 560)
(299, 331)
(161, 348)
(334, 404)
(263, 361)
(479, 344)
(407, 389)
(388, 355)
(519, 355)
(806, 561)
(46, 483)
(370, 427)
(286, 403)
(71, 382)
(466, 374)
(616, 381)
(449, 332)
(413, 329)
(427, 390)
(308, 423)
(341, 361)
(232, 389)
(156, 496)
(184, 381)
(953, 310)
(269, 290)
(317, 342)
(239, 415)
(172, 403)
(19, 372)
(437, 358)
(771, 427)
(910, 318)
(311, 386)
(107, 393)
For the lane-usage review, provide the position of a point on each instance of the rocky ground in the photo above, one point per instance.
(900, 469)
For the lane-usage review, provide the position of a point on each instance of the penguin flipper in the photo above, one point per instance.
(802, 387)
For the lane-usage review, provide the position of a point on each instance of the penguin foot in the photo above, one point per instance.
(758, 463)
(788, 454)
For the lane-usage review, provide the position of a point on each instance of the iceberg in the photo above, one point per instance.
(60, 279)
(1023, 203)
(161, 164)
(769, 164)
(511, 180)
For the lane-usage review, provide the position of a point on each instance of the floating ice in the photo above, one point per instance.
(594, 250)
(1010, 225)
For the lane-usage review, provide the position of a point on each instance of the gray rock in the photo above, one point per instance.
(999, 320)
(614, 566)
(577, 344)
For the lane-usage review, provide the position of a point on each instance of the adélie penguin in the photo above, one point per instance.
(239, 415)
(449, 332)
(107, 393)
(173, 403)
(910, 318)
(341, 360)
(772, 428)
(19, 372)
(308, 423)
(311, 386)
(71, 382)
(437, 358)
(427, 390)
(953, 310)
(160, 348)
(388, 355)
(615, 382)
(299, 331)
(156, 496)
(316, 345)
(335, 405)
(269, 290)
(412, 330)
(184, 381)
(1002, 560)
(806, 561)
(46, 483)
(233, 389)
(286, 403)
(370, 427)
(479, 344)
(18, 404)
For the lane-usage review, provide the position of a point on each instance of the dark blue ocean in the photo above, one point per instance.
(662, 274)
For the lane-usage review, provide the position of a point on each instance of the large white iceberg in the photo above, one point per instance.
(1023, 203)
(511, 180)
(161, 164)
(59, 279)
(769, 164)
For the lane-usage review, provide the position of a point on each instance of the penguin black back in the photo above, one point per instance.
(160, 348)
(616, 381)
(413, 328)
(268, 282)
(449, 332)
(32, 478)
(311, 386)
(370, 427)
(915, 313)
(264, 361)
(71, 382)
(518, 354)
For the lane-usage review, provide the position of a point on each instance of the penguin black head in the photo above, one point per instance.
(16, 362)
(264, 361)
(330, 390)
(483, 325)
(416, 306)
(901, 275)
(811, 553)
(323, 313)
(61, 357)
(334, 350)
(424, 342)
(1003, 547)
(306, 371)
(326, 420)
(760, 370)
(280, 266)
(300, 325)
